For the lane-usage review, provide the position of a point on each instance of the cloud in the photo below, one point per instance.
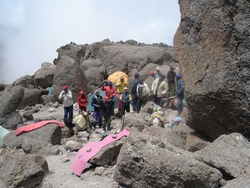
(32, 31)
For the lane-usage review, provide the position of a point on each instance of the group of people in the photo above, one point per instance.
(103, 106)
(138, 96)
(161, 88)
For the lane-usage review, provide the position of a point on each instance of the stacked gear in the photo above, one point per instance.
(156, 118)
(82, 121)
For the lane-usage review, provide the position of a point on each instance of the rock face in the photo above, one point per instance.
(10, 99)
(147, 161)
(36, 141)
(230, 154)
(22, 170)
(44, 76)
(212, 45)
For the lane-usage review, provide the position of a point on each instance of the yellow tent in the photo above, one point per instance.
(115, 77)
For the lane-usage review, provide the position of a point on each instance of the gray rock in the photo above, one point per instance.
(10, 99)
(36, 141)
(23, 170)
(238, 182)
(72, 145)
(196, 141)
(147, 161)
(107, 154)
(212, 45)
(12, 120)
(229, 153)
(25, 81)
(44, 76)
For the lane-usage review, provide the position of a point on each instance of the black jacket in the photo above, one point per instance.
(171, 77)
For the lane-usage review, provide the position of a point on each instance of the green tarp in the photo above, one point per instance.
(3, 132)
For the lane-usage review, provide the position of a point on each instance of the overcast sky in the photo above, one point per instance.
(32, 31)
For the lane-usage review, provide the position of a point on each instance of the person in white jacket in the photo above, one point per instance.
(142, 91)
(66, 96)
(159, 88)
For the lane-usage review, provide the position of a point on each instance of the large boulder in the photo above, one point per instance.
(44, 76)
(108, 153)
(37, 141)
(10, 100)
(32, 97)
(238, 182)
(71, 50)
(134, 120)
(22, 170)
(167, 135)
(147, 161)
(212, 45)
(124, 57)
(12, 120)
(68, 72)
(229, 153)
(26, 81)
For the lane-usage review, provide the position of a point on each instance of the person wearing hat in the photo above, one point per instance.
(125, 99)
(158, 71)
(82, 101)
(179, 94)
(142, 94)
(66, 96)
(96, 103)
(159, 88)
(154, 75)
(171, 82)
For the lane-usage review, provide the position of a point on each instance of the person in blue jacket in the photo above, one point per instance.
(179, 94)
(134, 93)
(97, 104)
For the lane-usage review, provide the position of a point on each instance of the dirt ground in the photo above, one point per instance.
(60, 174)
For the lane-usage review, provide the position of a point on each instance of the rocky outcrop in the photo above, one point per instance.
(45, 75)
(212, 45)
(22, 170)
(239, 182)
(32, 97)
(167, 135)
(2, 86)
(147, 161)
(230, 154)
(36, 141)
(108, 154)
(124, 57)
(25, 81)
(195, 141)
(10, 99)
(69, 73)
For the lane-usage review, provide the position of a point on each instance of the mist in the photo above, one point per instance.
(32, 31)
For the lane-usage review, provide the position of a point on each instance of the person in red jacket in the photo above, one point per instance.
(108, 87)
(82, 101)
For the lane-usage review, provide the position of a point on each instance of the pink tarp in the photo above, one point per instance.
(34, 126)
(83, 156)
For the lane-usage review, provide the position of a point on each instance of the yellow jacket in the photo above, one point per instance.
(121, 85)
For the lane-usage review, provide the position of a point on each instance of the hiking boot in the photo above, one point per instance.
(104, 127)
(108, 128)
